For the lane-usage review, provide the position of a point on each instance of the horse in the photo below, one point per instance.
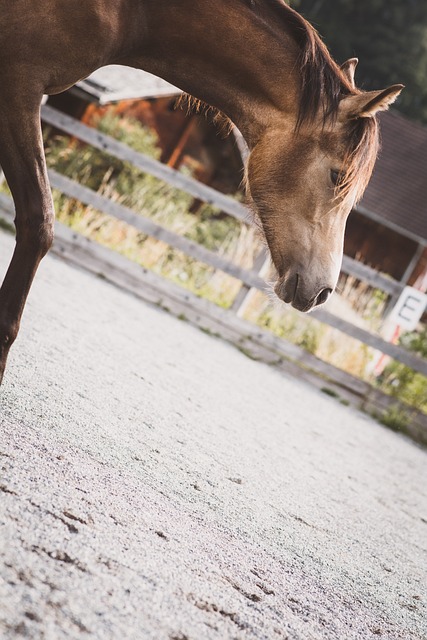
(312, 134)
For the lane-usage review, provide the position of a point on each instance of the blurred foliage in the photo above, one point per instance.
(395, 418)
(169, 207)
(388, 36)
(403, 382)
(126, 184)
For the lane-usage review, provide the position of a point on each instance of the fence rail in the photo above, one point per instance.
(145, 225)
(250, 278)
(144, 163)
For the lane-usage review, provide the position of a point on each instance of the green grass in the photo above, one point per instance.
(154, 199)
(402, 382)
(6, 226)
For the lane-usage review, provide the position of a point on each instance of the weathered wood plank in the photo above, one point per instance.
(193, 187)
(243, 295)
(392, 350)
(198, 190)
(374, 278)
(252, 279)
(147, 226)
(119, 150)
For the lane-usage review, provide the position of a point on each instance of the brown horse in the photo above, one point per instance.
(312, 135)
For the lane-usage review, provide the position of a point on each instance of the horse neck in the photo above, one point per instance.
(229, 57)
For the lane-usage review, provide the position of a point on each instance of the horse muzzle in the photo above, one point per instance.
(293, 290)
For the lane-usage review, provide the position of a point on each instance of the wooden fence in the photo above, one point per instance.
(258, 342)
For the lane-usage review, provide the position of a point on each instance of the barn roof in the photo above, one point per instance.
(397, 192)
(115, 82)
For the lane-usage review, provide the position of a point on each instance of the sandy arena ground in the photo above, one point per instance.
(157, 484)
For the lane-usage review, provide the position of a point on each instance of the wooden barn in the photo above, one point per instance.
(387, 230)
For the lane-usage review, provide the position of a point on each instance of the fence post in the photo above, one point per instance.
(245, 294)
(405, 278)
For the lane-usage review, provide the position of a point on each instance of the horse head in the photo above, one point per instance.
(303, 182)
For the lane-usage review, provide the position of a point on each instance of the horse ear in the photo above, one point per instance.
(348, 68)
(368, 103)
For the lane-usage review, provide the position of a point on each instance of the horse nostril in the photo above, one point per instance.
(323, 296)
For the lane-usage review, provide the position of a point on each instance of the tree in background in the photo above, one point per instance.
(388, 36)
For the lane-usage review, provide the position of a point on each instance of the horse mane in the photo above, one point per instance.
(323, 85)
(322, 82)
(190, 104)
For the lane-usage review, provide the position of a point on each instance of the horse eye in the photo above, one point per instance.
(335, 177)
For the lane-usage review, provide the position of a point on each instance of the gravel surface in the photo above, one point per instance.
(157, 484)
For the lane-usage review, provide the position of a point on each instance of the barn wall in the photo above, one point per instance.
(419, 276)
(378, 246)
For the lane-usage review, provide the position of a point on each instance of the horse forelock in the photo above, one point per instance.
(362, 150)
(323, 85)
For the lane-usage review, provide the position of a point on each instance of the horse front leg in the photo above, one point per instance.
(22, 160)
